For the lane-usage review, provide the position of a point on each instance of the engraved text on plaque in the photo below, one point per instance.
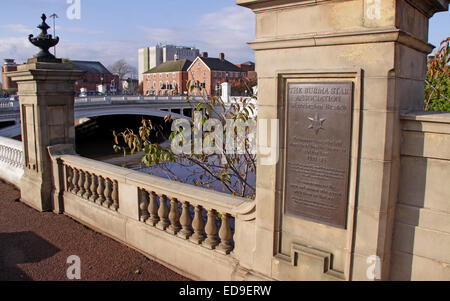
(319, 121)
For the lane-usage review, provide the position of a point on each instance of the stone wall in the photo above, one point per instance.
(421, 242)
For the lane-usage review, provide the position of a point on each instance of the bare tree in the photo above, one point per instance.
(122, 69)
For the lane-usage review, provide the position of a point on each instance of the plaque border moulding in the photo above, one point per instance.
(316, 125)
(297, 244)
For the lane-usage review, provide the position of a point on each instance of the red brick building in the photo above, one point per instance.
(169, 78)
(8, 66)
(211, 72)
(247, 66)
(96, 74)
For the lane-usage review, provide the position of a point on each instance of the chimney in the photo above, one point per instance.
(222, 56)
(204, 54)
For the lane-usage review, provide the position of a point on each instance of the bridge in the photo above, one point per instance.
(364, 198)
(157, 106)
(89, 107)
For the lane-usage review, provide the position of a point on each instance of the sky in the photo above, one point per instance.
(109, 30)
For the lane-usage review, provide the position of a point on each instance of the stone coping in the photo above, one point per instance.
(183, 192)
(11, 143)
(441, 117)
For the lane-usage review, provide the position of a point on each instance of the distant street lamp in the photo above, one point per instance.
(54, 16)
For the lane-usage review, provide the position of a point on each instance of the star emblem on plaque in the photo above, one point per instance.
(316, 123)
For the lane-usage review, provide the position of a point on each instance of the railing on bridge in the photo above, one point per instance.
(9, 105)
(157, 216)
(132, 99)
(11, 160)
(195, 230)
(201, 216)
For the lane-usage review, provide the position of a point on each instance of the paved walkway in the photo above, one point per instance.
(35, 246)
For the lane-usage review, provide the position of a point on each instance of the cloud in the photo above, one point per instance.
(231, 18)
(18, 48)
(226, 31)
(20, 28)
(107, 52)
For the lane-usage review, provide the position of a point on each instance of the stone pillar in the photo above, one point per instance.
(336, 74)
(226, 92)
(46, 95)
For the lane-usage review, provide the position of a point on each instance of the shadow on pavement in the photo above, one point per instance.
(22, 247)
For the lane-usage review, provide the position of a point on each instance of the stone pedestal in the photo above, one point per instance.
(226, 92)
(46, 95)
(305, 51)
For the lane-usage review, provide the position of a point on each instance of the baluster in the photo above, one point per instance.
(115, 196)
(185, 221)
(153, 210)
(81, 183)
(75, 177)
(163, 213)
(69, 175)
(108, 192)
(14, 158)
(198, 224)
(143, 206)
(211, 231)
(100, 190)
(87, 186)
(8, 155)
(225, 235)
(93, 188)
(174, 217)
(11, 154)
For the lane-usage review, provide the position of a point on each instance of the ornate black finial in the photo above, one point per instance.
(44, 41)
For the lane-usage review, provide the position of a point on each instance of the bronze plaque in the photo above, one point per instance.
(318, 140)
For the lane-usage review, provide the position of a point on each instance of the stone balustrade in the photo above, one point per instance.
(132, 99)
(8, 104)
(11, 160)
(193, 216)
(189, 218)
(98, 189)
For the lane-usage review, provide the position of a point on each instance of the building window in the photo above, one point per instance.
(148, 77)
(174, 74)
(154, 85)
(204, 74)
(154, 75)
(198, 64)
(160, 84)
(167, 75)
(160, 75)
(174, 84)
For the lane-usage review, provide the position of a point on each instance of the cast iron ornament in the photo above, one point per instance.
(44, 41)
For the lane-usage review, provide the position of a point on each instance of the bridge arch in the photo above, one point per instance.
(90, 112)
